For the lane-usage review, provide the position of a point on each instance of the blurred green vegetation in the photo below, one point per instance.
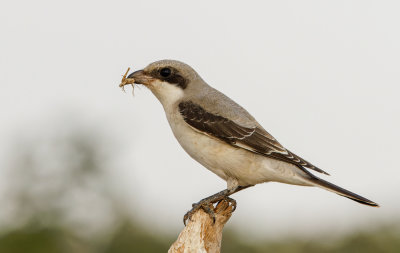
(58, 199)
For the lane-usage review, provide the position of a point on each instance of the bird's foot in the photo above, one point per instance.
(207, 205)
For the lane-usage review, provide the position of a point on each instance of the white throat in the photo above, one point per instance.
(167, 93)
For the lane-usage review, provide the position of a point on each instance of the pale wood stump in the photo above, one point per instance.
(200, 234)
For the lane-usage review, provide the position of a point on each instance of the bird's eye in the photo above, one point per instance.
(165, 72)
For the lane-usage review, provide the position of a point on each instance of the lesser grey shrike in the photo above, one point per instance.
(224, 137)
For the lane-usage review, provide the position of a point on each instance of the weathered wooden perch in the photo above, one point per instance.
(200, 234)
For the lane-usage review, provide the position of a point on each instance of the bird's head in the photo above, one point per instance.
(169, 80)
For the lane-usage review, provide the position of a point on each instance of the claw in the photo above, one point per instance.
(188, 215)
(209, 210)
(207, 203)
(185, 217)
(206, 206)
(232, 202)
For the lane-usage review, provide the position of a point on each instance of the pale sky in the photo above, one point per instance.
(320, 76)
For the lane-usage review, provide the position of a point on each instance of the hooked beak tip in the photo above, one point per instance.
(136, 73)
(141, 77)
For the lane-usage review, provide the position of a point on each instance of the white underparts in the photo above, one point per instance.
(167, 93)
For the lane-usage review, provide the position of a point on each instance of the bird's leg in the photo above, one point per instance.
(207, 203)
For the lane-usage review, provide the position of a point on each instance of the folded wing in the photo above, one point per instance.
(254, 139)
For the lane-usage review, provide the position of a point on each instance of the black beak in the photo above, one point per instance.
(132, 75)
(141, 77)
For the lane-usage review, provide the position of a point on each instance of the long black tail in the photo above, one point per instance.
(339, 190)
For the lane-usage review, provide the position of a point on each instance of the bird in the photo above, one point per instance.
(225, 138)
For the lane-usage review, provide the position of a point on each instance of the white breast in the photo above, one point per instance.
(234, 165)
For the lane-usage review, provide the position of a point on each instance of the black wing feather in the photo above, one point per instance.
(254, 139)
